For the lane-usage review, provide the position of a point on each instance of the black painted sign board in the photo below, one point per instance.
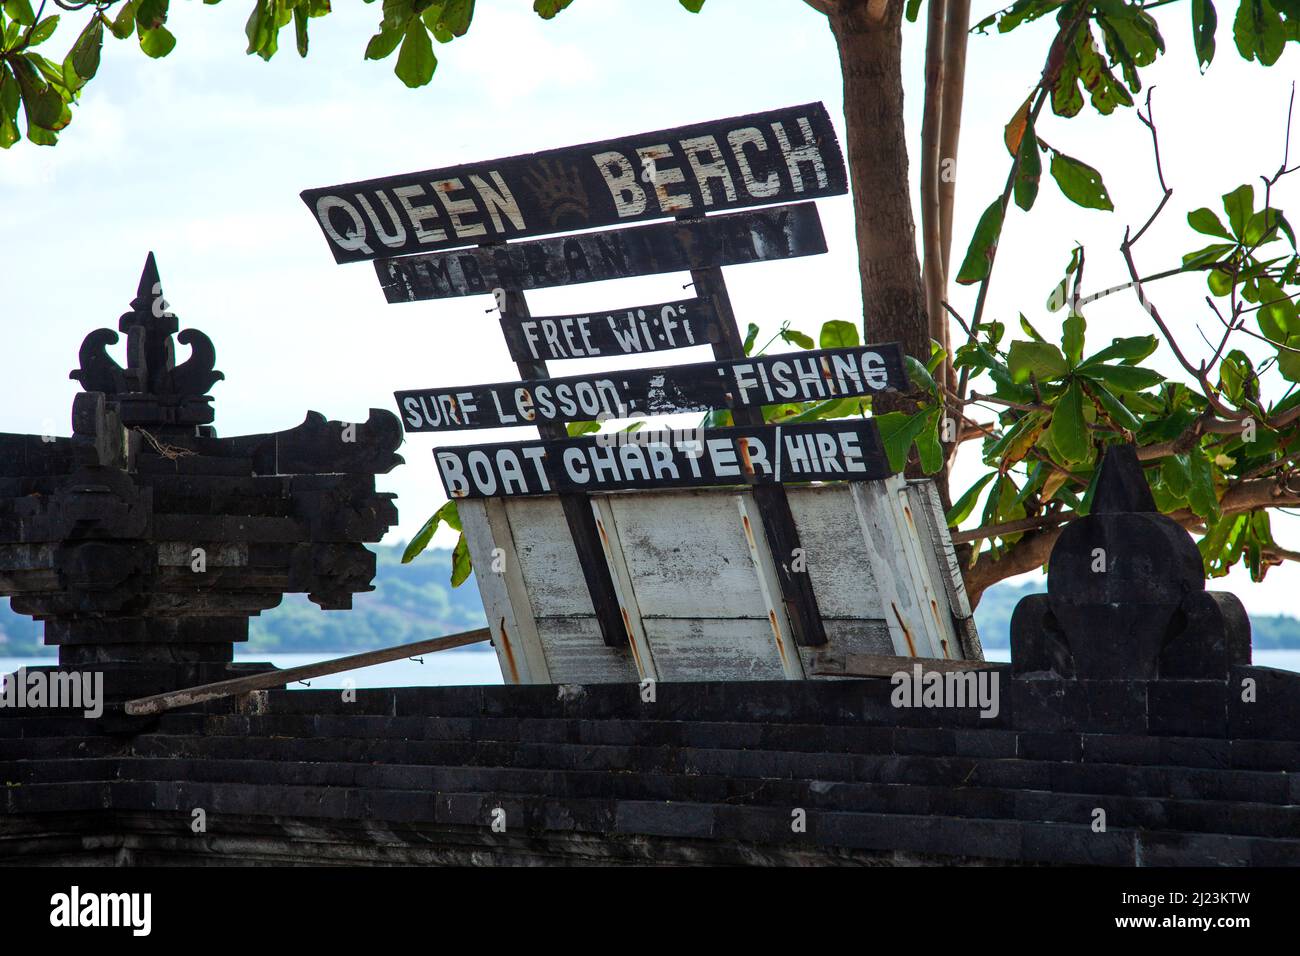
(758, 235)
(757, 454)
(745, 383)
(645, 328)
(754, 160)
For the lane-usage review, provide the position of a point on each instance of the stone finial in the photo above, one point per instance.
(152, 391)
(1126, 595)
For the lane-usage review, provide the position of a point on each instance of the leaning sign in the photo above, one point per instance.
(755, 160)
(612, 556)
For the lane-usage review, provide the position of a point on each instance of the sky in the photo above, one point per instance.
(201, 156)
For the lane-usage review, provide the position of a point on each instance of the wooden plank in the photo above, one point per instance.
(770, 585)
(936, 623)
(647, 328)
(624, 587)
(752, 160)
(760, 456)
(703, 648)
(744, 383)
(874, 509)
(871, 665)
(577, 509)
(761, 235)
(189, 696)
(499, 576)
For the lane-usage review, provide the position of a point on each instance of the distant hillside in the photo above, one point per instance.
(410, 602)
(415, 601)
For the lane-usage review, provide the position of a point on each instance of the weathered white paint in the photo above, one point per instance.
(699, 596)
(625, 588)
(760, 552)
(504, 595)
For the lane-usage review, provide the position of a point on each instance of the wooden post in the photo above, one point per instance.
(773, 506)
(577, 507)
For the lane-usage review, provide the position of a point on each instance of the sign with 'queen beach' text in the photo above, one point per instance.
(759, 159)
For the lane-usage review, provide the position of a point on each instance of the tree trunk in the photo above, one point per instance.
(869, 36)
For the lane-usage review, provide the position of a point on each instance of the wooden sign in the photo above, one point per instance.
(753, 382)
(763, 454)
(782, 232)
(754, 160)
(645, 328)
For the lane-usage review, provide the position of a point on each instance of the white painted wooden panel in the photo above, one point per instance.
(687, 553)
(714, 649)
(505, 598)
(778, 618)
(694, 589)
(842, 576)
(611, 544)
(550, 563)
(576, 653)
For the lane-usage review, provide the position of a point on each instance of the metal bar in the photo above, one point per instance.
(773, 506)
(185, 697)
(577, 507)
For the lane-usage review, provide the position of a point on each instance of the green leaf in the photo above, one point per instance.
(1069, 431)
(1204, 22)
(84, 56)
(1204, 221)
(1042, 360)
(575, 429)
(1125, 378)
(1072, 338)
(798, 338)
(1259, 31)
(1200, 496)
(123, 25)
(20, 11)
(928, 446)
(964, 505)
(983, 246)
(1288, 359)
(1080, 183)
(415, 61)
(383, 43)
(838, 334)
(460, 562)
(1132, 349)
(694, 6)
(43, 31)
(546, 9)
(1116, 409)
(1239, 204)
(1030, 331)
(300, 29)
(1029, 169)
(898, 431)
(151, 14)
(157, 43)
(447, 513)
(920, 375)
(452, 19)
(9, 99)
(751, 334)
(911, 10)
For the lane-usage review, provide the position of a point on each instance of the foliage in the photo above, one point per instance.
(1219, 446)
(46, 87)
